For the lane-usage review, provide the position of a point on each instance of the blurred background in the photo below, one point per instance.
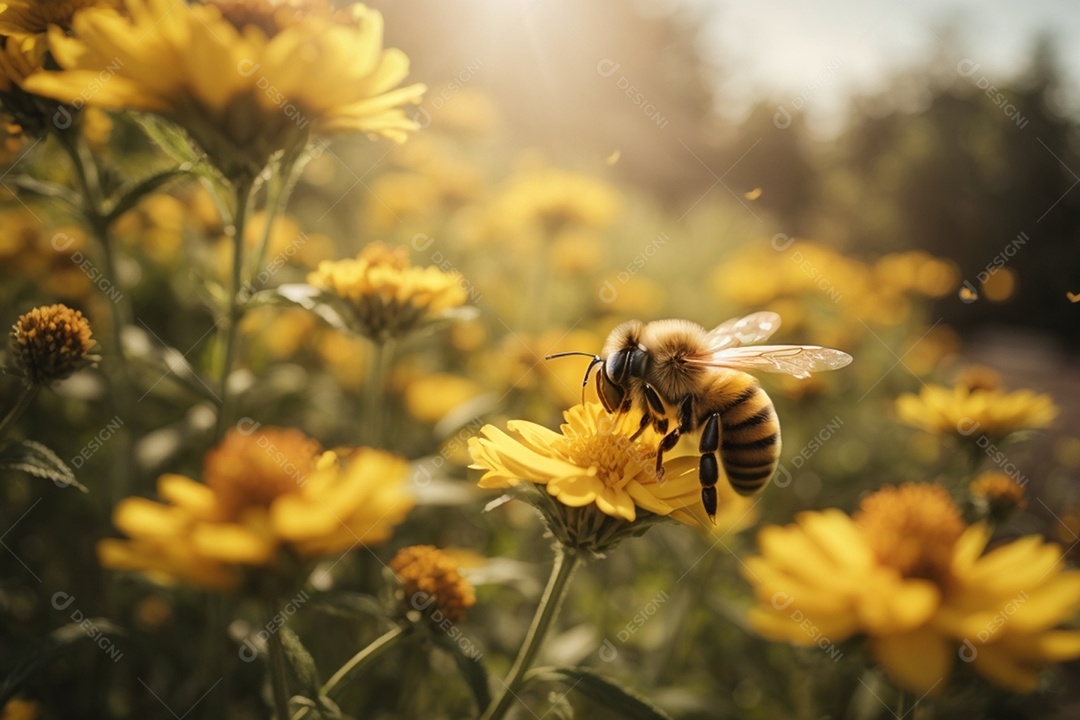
(946, 126)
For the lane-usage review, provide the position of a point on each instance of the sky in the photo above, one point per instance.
(824, 50)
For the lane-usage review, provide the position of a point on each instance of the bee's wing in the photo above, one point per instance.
(742, 331)
(797, 360)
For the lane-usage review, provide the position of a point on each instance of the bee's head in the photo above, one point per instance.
(622, 360)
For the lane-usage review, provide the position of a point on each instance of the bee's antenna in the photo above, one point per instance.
(568, 354)
(596, 360)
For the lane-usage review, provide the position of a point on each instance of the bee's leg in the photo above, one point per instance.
(708, 469)
(645, 420)
(653, 412)
(670, 440)
(686, 415)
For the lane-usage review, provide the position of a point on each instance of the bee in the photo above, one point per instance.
(683, 378)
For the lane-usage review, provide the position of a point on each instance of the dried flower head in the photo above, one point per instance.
(430, 576)
(997, 494)
(50, 343)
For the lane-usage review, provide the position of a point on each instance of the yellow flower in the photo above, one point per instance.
(552, 200)
(24, 18)
(909, 575)
(965, 411)
(433, 396)
(270, 494)
(1004, 607)
(245, 79)
(50, 343)
(429, 575)
(591, 464)
(21, 58)
(387, 296)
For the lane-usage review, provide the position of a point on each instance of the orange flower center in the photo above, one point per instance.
(253, 470)
(428, 574)
(912, 528)
(615, 456)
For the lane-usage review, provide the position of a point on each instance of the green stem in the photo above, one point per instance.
(546, 612)
(375, 392)
(235, 310)
(280, 188)
(279, 679)
(29, 392)
(120, 312)
(351, 668)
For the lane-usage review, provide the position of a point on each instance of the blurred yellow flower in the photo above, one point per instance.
(387, 296)
(964, 411)
(24, 18)
(552, 200)
(1004, 606)
(245, 79)
(432, 396)
(20, 58)
(20, 709)
(269, 494)
(998, 494)
(430, 576)
(906, 572)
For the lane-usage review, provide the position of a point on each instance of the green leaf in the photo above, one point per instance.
(35, 459)
(302, 662)
(471, 665)
(162, 367)
(132, 194)
(327, 306)
(169, 138)
(47, 189)
(53, 646)
(601, 690)
(349, 604)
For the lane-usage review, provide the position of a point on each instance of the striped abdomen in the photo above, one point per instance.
(749, 439)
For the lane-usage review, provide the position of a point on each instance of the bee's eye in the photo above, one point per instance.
(639, 358)
(611, 394)
(616, 366)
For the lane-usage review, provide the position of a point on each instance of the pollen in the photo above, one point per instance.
(912, 528)
(247, 474)
(615, 458)
(50, 343)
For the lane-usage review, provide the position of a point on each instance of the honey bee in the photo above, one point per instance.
(686, 378)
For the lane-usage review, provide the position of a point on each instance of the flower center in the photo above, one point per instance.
(616, 457)
(912, 528)
(50, 342)
(252, 470)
